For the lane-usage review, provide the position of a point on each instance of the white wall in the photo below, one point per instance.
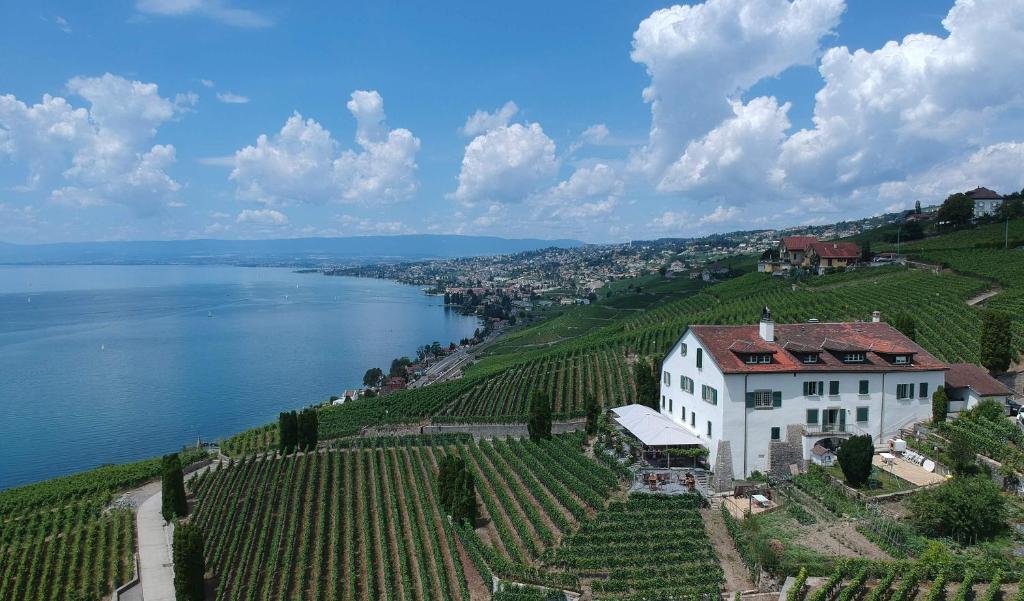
(698, 411)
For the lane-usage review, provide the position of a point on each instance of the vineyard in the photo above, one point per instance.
(364, 523)
(903, 581)
(57, 538)
(650, 547)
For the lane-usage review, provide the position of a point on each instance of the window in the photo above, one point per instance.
(776, 433)
(682, 349)
(666, 378)
(709, 428)
(812, 416)
(762, 399)
(751, 359)
(922, 389)
(900, 360)
(862, 414)
(833, 387)
(670, 405)
(754, 359)
(863, 389)
(766, 358)
(662, 401)
(709, 394)
(814, 388)
(810, 358)
(904, 391)
(683, 409)
(693, 419)
(853, 357)
(686, 384)
(700, 358)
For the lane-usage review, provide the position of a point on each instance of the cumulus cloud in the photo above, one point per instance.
(885, 115)
(262, 217)
(217, 10)
(506, 164)
(232, 98)
(96, 155)
(363, 225)
(302, 162)
(482, 121)
(62, 24)
(699, 57)
(587, 182)
(594, 135)
(720, 215)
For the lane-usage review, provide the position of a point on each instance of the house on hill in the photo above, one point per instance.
(825, 255)
(793, 249)
(986, 202)
(761, 397)
(968, 384)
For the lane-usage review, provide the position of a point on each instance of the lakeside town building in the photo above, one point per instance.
(764, 397)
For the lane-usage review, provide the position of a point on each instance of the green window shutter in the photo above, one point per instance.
(776, 398)
(863, 387)
(821, 388)
(700, 358)
(750, 400)
(833, 387)
(776, 433)
(842, 419)
(812, 416)
(923, 388)
(714, 396)
(862, 414)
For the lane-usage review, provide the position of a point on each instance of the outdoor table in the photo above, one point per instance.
(761, 500)
(888, 458)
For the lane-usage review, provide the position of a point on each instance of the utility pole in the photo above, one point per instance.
(1006, 231)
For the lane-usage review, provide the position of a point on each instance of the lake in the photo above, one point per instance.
(108, 364)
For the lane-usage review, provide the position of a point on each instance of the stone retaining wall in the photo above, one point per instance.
(500, 430)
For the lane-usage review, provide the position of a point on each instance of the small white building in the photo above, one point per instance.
(968, 384)
(986, 202)
(760, 397)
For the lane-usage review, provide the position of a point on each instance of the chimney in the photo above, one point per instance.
(767, 325)
(876, 316)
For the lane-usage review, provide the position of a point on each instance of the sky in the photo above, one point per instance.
(596, 120)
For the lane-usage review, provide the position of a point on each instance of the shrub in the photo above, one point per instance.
(539, 423)
(940, 405)
(855, 459)
(967, 509)
(172, 488)
(189, 563)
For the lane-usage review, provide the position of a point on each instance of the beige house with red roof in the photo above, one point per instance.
(793, 250)
(832, 255)
(760, 397)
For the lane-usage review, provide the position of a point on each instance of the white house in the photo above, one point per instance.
(967, 385)
(986, 202)
(760, 397)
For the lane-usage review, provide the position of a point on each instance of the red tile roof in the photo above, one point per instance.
(980, 193)
(801, 243)
(836, 250)
(969, 375)
(879, 341)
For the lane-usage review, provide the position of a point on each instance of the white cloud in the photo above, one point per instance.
(62, 24)
(737, 156)
(208, 83)
(998, 166)
(302, 163)
(594, 135)
(671, 221)
(506, 164)
(585, 210)
(217, 10)
(362, 225)
(232, 98)
(699, 57)
(482, 121)
(720, 215)
(885, 115)
(94, 156)
(262, 217)
(586, 182)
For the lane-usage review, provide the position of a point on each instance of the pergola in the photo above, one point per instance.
(654, 431)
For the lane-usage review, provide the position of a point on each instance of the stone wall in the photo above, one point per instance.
(500, 430)
(723, 477)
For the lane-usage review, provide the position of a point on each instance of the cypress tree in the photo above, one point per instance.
(996, 342)
(906, 325)
(646, 384)
(855, 459)
(288, 431)
(539, 421)
(172, 488)
(593, 411)
(940, 405)
(466, 511)
(189, 563)
(307, 424)
(282, 432)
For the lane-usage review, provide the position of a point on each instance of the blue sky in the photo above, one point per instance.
(141, 120)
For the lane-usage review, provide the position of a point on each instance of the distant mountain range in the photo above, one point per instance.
(296, 252)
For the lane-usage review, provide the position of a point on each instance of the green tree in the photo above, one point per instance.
(917, 207)
(996, 340)
(912, 230)
(967, 509)
(465, 498)
(539, 421)
(940, 405)
(189, 563)
(865, 251)
(288, 431)
(1012, 207)
(906, 325)
(855, 459)
(962, 455)
(373, 377)
(172, 488)
(308, 424)
(593, 412)
(956, 211)
(646, 384)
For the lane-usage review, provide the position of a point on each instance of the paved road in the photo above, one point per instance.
(156, 570)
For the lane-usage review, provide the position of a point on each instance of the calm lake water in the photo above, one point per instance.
(107, 364)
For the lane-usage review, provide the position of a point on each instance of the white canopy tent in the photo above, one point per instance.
(652, 428)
